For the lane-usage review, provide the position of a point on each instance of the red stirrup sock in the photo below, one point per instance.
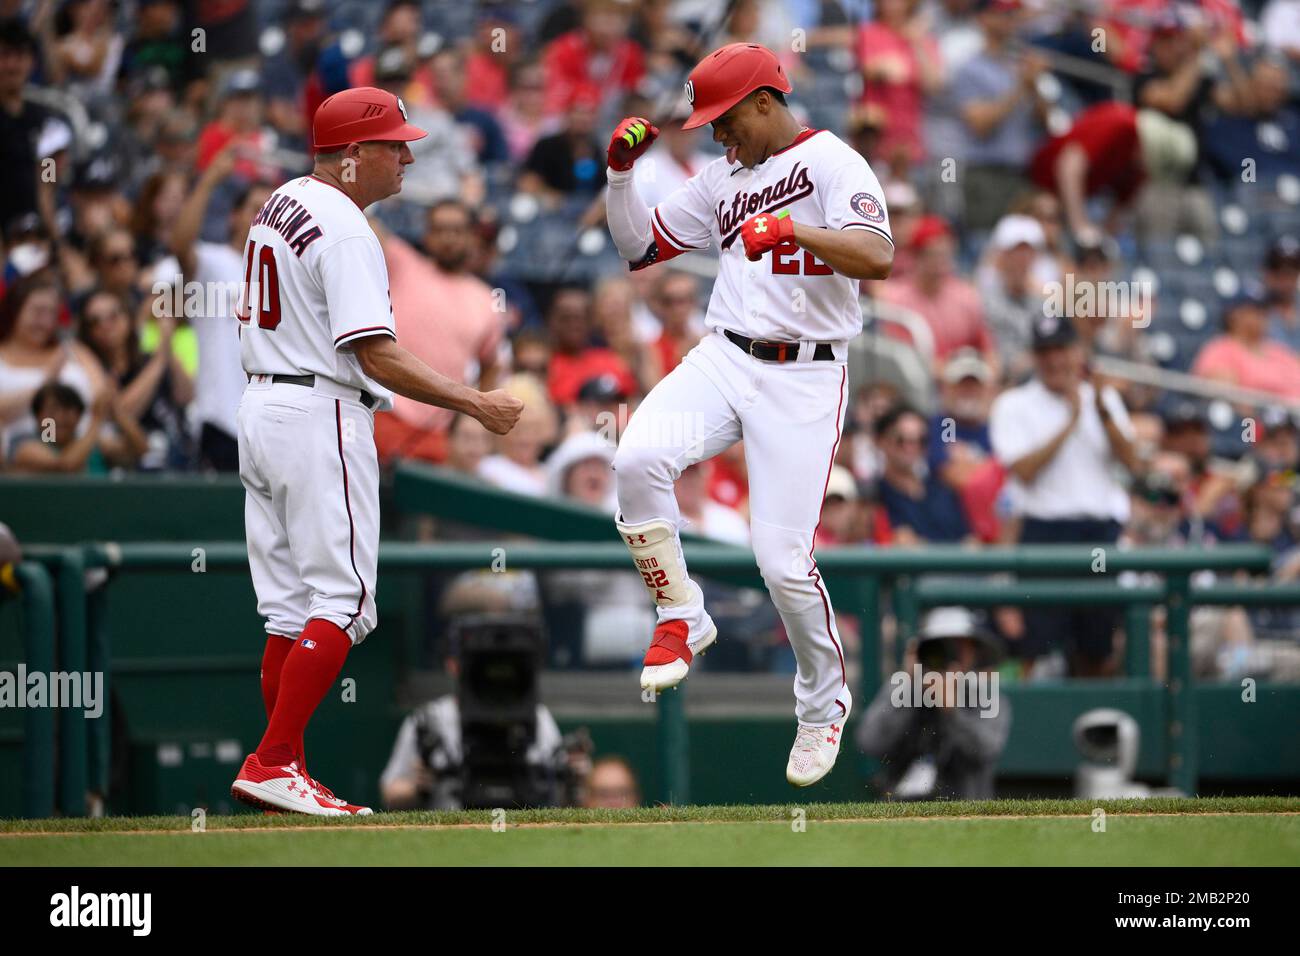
(273, 657)
(277, 649)
(307, 674)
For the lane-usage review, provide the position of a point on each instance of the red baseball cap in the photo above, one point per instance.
(928, 229)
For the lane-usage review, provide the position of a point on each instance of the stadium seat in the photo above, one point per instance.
(1244, 253)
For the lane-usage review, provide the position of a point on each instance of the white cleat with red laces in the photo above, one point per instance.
(814, 751)
(286, 788)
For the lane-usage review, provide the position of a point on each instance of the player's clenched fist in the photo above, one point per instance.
(766, 231)
(632, 138)
(498, 411)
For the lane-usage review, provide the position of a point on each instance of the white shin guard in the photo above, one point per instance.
(657, 551)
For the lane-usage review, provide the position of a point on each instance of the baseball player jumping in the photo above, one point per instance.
(798, 218)
(319, 348)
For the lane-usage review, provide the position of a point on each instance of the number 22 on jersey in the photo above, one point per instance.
(785, 262)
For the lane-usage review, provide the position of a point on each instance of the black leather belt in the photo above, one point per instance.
(309, 381)
(778, 351)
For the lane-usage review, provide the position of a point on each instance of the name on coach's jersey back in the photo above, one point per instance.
(284, 214)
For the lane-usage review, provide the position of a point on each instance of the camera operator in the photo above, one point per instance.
(946, 745)
(425, 768)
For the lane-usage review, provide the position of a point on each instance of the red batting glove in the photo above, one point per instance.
(764, 232)
(632, 138)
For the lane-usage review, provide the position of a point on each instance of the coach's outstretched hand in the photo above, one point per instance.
(766, 231)
(393, 367)
(631, 138)
(498, 411)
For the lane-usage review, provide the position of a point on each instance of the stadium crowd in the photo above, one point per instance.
(1083, 196)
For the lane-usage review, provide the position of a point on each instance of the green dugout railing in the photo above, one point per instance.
(82, 646)
(859, 580)
(1179, 598)
(30, 583)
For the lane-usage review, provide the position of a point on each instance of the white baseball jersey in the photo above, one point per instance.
(821, 181)
(315, 281)
(790, 414)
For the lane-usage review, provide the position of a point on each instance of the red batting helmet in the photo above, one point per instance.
(359, 115)
(726, 76)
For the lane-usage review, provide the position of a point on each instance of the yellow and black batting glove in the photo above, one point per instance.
(631, 138)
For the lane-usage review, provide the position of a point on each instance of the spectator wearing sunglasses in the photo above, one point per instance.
(920, 506)
(154, 388)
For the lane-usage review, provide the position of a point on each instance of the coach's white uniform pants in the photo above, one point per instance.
(311, 513)
(789, 416)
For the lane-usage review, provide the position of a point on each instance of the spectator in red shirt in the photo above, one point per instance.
(614, 325)
(900, 67)
(239, 120)
(574, 360)
(1112, 149)
(905, 211)
(703, 515)
(729, 481)
(598, 56)
(601, 406)
(849, 518)
(401, 26)
(674, 300)
(492, 56)
(836, 525)
(949, 304)
(1129, 25)
(960, 450)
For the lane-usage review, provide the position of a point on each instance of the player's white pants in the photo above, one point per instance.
(789, 416)
(311, 512)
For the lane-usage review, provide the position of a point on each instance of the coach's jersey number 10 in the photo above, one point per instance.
(266, 283)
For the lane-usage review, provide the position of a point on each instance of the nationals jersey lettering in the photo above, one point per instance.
(744, 205)
(315, 281)
(787, 295)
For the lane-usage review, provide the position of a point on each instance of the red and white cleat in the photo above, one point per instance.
(349, 808)
(285, 788)
(815, 749)
(668, 660)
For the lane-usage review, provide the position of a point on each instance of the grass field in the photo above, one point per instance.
(1248, 831)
